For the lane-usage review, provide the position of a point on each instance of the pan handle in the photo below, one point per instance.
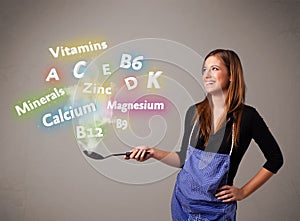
(128, 153)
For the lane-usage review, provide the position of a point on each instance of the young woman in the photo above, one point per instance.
(217, 133)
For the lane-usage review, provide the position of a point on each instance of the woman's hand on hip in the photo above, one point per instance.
(230, 194)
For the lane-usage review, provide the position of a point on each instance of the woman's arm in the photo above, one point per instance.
(268, 145)
(169, 158)
(175, 159)
(232, 193)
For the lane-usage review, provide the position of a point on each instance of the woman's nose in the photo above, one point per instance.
(207, 73)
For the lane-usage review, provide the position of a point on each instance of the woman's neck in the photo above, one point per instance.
(218, 101)
(218, 110)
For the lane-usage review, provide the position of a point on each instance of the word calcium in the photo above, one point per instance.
(50, 119)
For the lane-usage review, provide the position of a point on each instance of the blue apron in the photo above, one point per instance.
(196, 185)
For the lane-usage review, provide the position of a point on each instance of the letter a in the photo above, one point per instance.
(153, 79)
(52, 74)
(133, 79)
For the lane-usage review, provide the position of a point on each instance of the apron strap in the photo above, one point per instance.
(232, 137)
(192, 133)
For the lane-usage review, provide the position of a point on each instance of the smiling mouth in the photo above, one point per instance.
(209, 82)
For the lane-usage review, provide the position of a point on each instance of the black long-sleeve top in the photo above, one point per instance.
(252, 127)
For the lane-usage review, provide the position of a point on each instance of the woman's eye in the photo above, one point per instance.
(215, 69)
(203, 70)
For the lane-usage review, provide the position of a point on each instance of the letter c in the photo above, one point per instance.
(77, 67)
(67, 115)
(45, 120)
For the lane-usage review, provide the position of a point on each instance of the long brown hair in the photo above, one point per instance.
(235, 96)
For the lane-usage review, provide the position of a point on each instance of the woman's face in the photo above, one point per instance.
(215, 75)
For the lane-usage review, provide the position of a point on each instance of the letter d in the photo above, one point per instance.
(133, 80)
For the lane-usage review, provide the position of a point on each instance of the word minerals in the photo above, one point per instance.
(50, 119)
(29, 105)
(68, 51)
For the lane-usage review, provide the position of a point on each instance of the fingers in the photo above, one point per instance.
(226, 194)
(229, 200)
(143, 154)
(133, 154)
(138, 153)
(226, 187)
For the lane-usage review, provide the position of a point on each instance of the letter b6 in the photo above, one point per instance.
(136, 62)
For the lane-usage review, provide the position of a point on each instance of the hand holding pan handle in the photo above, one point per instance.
(97, 156)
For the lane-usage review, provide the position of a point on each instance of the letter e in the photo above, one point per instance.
(106, 69)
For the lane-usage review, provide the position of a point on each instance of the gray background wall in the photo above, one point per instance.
(42, 175)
